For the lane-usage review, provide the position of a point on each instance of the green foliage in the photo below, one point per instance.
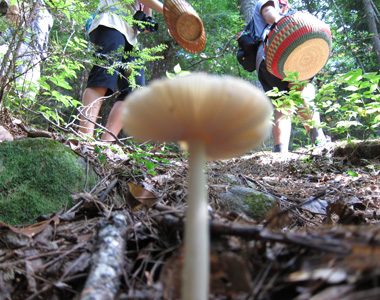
(349, 104)
(289, 102)
(352, 104)
(177, 72)
(222, 23)
(353, 174)
(143, 155)
(101, 156)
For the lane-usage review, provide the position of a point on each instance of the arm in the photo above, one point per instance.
(270, 14)
(147, 10)
(154, 4)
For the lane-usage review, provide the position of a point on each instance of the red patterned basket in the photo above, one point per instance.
(299, 42)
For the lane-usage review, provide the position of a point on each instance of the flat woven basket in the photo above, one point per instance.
(185, 26)
(299, 42)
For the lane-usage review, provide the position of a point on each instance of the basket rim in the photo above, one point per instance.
(172, 13)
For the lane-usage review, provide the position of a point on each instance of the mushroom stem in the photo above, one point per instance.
(195, 278)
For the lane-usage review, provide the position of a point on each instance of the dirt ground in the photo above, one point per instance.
(320, 241)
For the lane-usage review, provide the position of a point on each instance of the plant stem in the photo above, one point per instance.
(195, 279)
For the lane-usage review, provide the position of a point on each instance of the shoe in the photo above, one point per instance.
(280, 148)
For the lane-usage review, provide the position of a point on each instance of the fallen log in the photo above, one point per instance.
(107, 260)
(256, 232)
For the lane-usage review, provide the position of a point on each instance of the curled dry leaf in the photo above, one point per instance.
(31, 230)
(143, 196)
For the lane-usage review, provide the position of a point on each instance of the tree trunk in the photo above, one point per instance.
(370, 17)
(246, 9)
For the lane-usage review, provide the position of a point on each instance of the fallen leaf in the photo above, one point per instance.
(142, 195)
(33, 229)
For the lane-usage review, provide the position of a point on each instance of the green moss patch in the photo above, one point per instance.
(258, 204)
(245, 200)
(33, 173)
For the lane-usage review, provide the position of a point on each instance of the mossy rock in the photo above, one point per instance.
(245, 200)
(33, 177)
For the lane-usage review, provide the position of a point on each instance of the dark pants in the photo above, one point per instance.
(107, 41)
(269, 81)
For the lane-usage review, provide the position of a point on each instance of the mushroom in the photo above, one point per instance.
(216, 117)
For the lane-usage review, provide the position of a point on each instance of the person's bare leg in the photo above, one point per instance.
(305, 113)
(114, 123)
(92, 101)
(307, 116)
(281, 132)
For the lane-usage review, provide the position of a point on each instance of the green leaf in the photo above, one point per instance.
(60, 82)
(351, 88)
(184, 73)
(170, 75)
(352, 174)
(348, 124)
(149, 165)
(177, 69)
(102, 158)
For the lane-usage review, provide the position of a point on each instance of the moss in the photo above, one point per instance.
(257, 204)
(33, 173)
(245, 200)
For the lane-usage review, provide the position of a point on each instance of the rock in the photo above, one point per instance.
(230, 179)
(5, 135)
(36, 176)
(245, 200)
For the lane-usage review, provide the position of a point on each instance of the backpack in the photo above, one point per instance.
(88, 23)
(248, 45)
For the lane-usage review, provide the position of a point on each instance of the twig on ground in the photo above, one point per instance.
(107, 260)
(259, 233)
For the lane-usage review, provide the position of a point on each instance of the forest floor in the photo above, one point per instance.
(327, 248)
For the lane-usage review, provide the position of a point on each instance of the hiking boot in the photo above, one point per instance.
(280, 148)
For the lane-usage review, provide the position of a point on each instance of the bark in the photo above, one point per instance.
(21, 17)
(107, 261)
(372, 28)
(246, 9)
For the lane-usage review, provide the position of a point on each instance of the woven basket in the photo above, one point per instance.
(184, 25)
(299, 42)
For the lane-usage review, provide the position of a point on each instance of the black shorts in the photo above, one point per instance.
(108, 40)
(269, 81)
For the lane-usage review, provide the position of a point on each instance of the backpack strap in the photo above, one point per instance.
(251, 28)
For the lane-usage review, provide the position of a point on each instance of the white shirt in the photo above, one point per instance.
(112, 18)
(260, 25)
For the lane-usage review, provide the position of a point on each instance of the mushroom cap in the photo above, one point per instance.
(230, 115)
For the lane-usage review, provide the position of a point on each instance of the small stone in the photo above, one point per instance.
(5, 136)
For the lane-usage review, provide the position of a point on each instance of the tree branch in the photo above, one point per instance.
(107, 260)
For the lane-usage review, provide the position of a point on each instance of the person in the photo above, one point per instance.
(31, 51)
(109, 31)
(267, 12)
